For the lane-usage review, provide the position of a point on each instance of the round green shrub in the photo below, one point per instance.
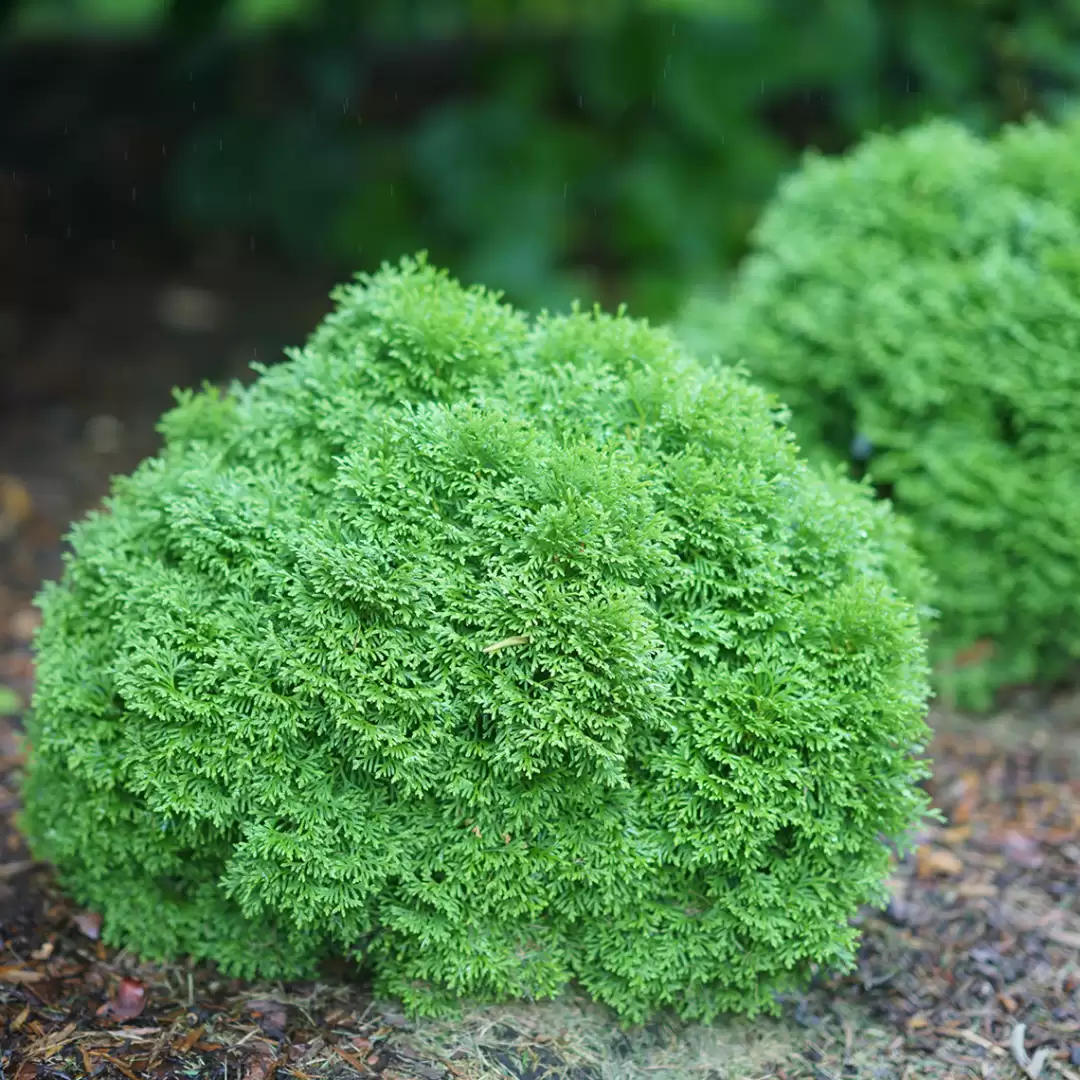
(493, 654)
(917, 305)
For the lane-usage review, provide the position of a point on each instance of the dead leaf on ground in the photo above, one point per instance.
(129, 1001)
(118, 1064)
(270, 1015)
(260, 1065)
(190, 1039)
(968, 802)
(1032, 1065)
(937, 862)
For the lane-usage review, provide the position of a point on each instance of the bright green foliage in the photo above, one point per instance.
(493, 653)
(921, 296)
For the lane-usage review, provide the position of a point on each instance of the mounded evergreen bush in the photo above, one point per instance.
(917, 305)
(492, 653)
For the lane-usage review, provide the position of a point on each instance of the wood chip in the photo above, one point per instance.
(956, 835)
(190, 1039)
(976, 890)
(353, 1060)
(50, 1044)
(20, 976)
(1064, 937)
(121, 1067)
(972, 1037)
(140, 1034)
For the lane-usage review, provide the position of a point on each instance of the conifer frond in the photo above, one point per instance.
(495, 654)
(917, 305)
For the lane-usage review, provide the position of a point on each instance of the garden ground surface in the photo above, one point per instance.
(973, 971)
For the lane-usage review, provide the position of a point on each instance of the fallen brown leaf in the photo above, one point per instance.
(270, 1015)
(970, 786)
(260, 1066)
(937, 862)
(973, 1037)
(121, 1066)
(190, 1039)
(129, 1001)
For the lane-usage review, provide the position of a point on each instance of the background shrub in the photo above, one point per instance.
(917, 304)
(494, 653)
(612, 150)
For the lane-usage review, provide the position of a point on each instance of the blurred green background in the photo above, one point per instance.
(552, 148)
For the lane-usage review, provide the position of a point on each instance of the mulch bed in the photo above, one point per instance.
(977, 959)
(975, 964)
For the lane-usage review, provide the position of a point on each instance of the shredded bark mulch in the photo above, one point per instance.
(975, 965)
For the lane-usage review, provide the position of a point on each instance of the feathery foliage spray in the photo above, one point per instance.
(917, 305)
(494, 653)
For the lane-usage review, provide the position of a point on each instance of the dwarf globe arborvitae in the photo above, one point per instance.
(493, 653)
(917, 305)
